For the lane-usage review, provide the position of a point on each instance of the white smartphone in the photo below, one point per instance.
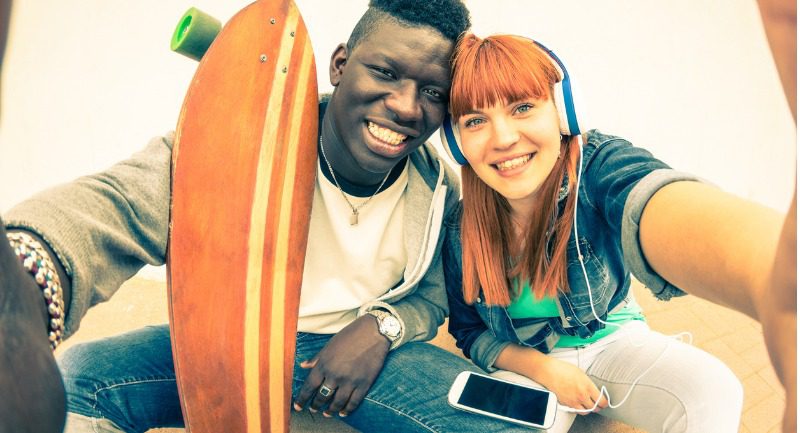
(509, 401)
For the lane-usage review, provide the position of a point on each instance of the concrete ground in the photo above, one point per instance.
(732, 337)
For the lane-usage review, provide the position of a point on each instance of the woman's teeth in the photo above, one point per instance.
(513, 163)
(386, 135)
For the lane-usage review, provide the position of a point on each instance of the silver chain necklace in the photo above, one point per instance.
(355, 209)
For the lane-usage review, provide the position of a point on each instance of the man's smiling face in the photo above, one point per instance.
(391, 95)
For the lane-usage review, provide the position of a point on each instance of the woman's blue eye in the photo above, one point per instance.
(472, 122)
(524, 108)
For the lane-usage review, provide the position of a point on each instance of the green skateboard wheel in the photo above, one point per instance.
(195, 33)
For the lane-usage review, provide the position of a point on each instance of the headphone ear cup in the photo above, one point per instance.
(578, 110)
(570, 124)
(564, 97)
(451, 141)
(563, 115)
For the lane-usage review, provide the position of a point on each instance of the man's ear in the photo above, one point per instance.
(338, 62)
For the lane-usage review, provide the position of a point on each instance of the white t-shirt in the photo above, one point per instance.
(349, 265)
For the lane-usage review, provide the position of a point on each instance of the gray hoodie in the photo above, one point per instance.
(105, 227)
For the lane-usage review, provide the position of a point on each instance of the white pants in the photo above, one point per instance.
(686, 391)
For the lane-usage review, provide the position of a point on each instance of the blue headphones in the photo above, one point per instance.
(562, 96)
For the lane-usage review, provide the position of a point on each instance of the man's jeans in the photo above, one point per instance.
(127, 383)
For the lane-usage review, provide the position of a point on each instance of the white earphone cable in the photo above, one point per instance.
(603, 390)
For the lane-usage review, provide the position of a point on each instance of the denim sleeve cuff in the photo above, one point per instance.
(485, 350)
(632, 215)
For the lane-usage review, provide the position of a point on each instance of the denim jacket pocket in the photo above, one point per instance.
(597, 274)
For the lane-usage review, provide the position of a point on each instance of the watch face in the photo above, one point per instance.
(390, 326)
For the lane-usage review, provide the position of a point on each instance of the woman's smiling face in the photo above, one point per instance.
(512, 146)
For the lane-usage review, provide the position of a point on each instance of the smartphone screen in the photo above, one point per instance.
(505, 399)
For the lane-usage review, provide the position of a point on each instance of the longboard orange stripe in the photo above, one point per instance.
(277, 397)
(261, 198)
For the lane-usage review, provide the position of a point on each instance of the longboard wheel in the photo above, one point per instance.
(194, 34)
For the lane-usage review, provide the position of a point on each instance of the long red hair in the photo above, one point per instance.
(505, 68)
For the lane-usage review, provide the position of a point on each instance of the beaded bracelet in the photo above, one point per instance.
(36, 261)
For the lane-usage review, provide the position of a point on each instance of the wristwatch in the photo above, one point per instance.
(388, 324)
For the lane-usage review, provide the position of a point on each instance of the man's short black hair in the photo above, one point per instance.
(448, 17)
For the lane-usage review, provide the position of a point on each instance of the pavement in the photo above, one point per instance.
(734, 338)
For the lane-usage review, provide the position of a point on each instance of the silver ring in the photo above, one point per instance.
(325, 391)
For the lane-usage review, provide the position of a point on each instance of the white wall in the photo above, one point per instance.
(87, 82)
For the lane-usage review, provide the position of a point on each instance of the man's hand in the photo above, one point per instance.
(344, 370)
(32, 392)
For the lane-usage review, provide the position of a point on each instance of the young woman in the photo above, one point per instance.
(554, 221)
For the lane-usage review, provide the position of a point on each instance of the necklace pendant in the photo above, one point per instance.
(354, 218)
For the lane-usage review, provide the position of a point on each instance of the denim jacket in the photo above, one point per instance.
(617, 180)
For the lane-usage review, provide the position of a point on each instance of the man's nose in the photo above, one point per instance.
(404, 103)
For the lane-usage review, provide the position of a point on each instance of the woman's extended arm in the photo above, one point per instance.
(732, 252)
(711, 243)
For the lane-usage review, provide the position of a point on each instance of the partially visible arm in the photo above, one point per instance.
(424, 310)
(466, 325)
(779, 315)
(711, 243)
(32, 392)
(103, 228)
(735, 253)
(5, 21)
(351, 360)
(780, 24)
(421, 312)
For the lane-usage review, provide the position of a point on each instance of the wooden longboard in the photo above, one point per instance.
(244, 163)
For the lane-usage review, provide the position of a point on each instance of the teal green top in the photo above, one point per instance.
(528, 307)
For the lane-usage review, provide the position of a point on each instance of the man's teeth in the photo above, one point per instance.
(513, 163)
(386, 135)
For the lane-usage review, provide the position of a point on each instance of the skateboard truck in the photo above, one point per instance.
(194, 33)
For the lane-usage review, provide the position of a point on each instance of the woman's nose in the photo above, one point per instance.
(505, 134)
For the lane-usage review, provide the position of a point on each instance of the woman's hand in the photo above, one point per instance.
(571, 385)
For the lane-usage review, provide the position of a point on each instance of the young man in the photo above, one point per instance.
(391, 84)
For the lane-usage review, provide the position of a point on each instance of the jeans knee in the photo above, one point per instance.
(104, 385)
(76, 365)
(74, 358)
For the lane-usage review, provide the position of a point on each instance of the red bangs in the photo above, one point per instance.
(498, 69)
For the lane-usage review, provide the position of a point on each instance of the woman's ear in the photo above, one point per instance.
(338, 62)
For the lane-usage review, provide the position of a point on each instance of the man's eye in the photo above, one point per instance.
(386, 73)
(435, 94)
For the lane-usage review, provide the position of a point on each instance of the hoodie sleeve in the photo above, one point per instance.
(106, 226)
